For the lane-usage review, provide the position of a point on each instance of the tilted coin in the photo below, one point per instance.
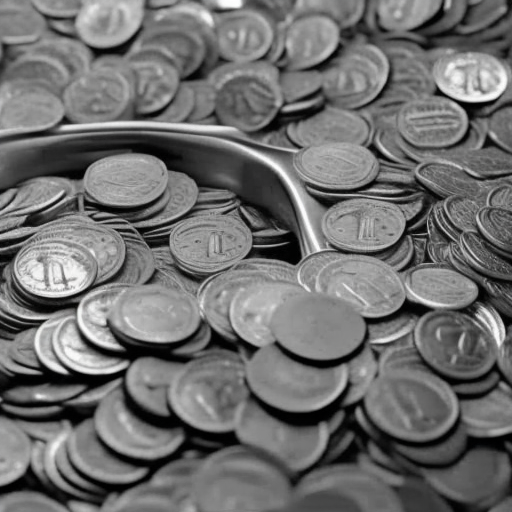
(248, 101)
(244, 35)
(15, 452)
(104, 25)
(500, 196)
(341, 166)
(20, 25)
(487, 416)
(55, 269)
(468, 481)
(336, 328)
(29, 500)
(310, 41)
(351, 482)
(126, 181)
(471, 77)
(251, 309)
(363, 225)
(207, 391)
(412, 406)
(92, 314)
(439, 287)
(94, 460)
(238, 478)
(298, 446)
(78, 356)
(153, 314)
(371, 286)
(291, 386)
(309, 267)
(98, 96)
(147, 383)
(411, 16)
(433, 122)
(494, 225)
(132, 436)
(454, 345)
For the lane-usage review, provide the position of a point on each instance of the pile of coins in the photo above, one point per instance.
(162, 346)
(269, 67)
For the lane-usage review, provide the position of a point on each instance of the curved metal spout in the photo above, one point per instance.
(213, 156)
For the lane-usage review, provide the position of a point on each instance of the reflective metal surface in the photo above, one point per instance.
(213, 156)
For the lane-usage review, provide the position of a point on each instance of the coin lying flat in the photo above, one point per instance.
(317, 327)
(363, 225)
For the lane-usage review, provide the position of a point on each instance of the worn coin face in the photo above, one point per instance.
(252, 308)
(55, 269)
(239, 478)
(471, 77)
(337, 167)
(412, 406)
(248, 101)
(298, 446)
(395, 15)
(454, 345)
(92, 316)
(29, 500)
(432, 122)
(370, 285)
(98, 96)
(207, 391)
(439, 287)
(153, 314)
(310, 40)
(244, 35)
(15, 452)
(338, 330)
(105, 25)
(77, 356)
(131, 435)
(291, 386)
(126, 181)
(363, 225)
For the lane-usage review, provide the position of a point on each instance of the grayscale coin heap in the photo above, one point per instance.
(162, 345)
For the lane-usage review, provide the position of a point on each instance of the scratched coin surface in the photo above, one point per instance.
(371, 286)
(363, 225)
(125, 181)
(55, 269)
(471, 77)
(454, 345)
(412, 406)
(439, 287)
